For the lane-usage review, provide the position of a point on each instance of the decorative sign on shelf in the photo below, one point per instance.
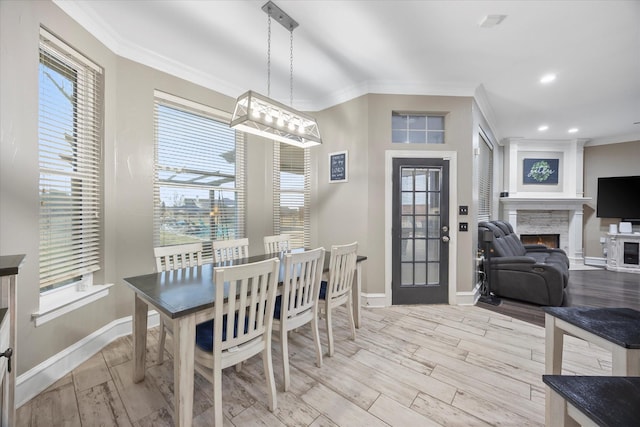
(540, 171)
(338, 166)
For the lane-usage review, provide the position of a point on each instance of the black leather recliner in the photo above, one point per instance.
(532, 273)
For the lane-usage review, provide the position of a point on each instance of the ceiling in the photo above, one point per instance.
(344, 49)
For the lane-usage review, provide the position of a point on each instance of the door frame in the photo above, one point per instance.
(451, 156)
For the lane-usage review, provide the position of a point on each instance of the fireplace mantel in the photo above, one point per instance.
(510, 207)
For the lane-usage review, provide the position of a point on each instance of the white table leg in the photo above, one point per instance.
(625, 362)
(184, 341)
(554, 339)
(139, 339)
(355, 296)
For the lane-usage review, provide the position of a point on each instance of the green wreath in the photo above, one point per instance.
(540, 171)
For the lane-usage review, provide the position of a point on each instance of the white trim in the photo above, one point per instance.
(38, 378)
(372, 300)
(595, 261)
(468, 297)
(388, 213)
(57, 303)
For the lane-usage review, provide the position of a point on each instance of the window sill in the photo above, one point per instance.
(56, 304)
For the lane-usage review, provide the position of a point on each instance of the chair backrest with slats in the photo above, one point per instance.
(277, 244)
(178, 256)
(301, 285)
(228, 250)
(250, 314)
(342, 267)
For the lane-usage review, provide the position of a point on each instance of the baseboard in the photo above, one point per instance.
(595, 261)
(468, 298)
(38, 378)
(374, 300)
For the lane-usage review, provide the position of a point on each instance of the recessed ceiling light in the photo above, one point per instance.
(491, 20)
(547, 78)
(543, 128)
(573, 130)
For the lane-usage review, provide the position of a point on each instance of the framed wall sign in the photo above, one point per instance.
(540, 171)
(338, 166)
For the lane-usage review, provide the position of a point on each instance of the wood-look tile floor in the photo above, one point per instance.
(409, 366)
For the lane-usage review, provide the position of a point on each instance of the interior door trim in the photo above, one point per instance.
(389, 155)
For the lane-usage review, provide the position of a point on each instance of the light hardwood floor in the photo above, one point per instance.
(409, 366)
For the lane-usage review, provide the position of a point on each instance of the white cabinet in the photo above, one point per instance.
(623, 252)
(9, 266)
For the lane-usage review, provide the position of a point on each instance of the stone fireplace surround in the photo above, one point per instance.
(546, 209)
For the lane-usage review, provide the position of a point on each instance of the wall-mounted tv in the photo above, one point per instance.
(619, 197)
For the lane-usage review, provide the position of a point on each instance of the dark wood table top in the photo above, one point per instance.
(10, 264)
(620, 326)
(184, 291)
(608, 401)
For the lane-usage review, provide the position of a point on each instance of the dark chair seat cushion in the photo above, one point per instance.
(323, 290)
(204, 332)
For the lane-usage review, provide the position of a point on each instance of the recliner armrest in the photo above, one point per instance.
(510, 260)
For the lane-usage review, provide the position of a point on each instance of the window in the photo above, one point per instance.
(70, 143)
(417, 128)
(292, 193)
(485, 180)
(199, 175)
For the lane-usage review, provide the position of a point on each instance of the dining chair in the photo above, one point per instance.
(228, 250)
(337, 290)
(298, 303)
(172, 258)
(241, 326)
(276, 244)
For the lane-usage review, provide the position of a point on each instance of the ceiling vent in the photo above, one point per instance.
(490, 21)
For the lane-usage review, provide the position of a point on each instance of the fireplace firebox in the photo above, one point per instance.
(549, 240)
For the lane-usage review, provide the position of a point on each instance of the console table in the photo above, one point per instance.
(623, 252)
(9, 267)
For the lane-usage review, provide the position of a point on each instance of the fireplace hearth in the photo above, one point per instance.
(549, 240)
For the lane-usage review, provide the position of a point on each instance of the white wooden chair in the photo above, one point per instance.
(277, 244)
(298, 303)
(241, 327)
(228, 250)
(337, 291)
(172, 258)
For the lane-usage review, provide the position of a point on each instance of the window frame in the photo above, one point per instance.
(417, 134)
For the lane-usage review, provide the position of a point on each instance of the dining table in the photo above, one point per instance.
(187, 296)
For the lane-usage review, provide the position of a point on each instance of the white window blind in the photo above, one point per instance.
(485, 180)
(199, 181)
(70, 140)
(292, 193)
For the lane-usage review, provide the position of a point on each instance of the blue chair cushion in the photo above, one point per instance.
(204, 332)
(323, 290)
(278, 308)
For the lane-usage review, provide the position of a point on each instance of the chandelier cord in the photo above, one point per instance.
(268, 54)
(291, 68)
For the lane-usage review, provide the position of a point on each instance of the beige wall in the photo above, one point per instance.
(603, 161)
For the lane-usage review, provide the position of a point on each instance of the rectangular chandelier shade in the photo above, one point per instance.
(263, 116)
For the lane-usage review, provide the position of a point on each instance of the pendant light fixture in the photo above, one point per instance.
(260, 115)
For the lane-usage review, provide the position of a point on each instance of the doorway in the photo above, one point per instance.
(420, 231)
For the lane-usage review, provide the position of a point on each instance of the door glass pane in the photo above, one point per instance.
(407, 250)
(434, 180)
(420, 226)
(407, 179)
(421, 179)
(421, 203)
(434, 250)
(434, 203)
(421, 274)
(434, 226)
(434, 274)
(420, 250)
(406, 274)
(407, 203)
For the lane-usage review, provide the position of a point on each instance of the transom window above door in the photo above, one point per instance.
(417, 128)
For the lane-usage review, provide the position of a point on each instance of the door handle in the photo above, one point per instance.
(8, 353)
(445, 239)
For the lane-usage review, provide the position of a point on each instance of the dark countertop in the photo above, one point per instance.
(10, 264)
(620, 326)
(608, 401)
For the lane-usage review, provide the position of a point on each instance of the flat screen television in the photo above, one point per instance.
(619, 197)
